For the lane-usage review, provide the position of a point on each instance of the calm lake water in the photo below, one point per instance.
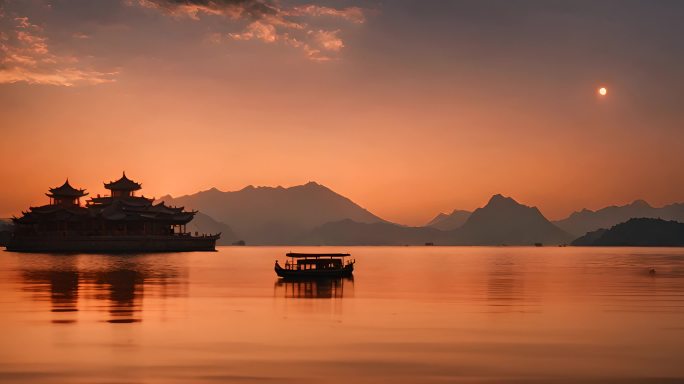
(410, 315)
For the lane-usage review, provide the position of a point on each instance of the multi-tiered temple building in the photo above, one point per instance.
(120, 222)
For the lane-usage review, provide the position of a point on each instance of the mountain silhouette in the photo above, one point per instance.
(579, 223)
(503, 221)
(203, 223)
(451, 221)
(349, 232)
(313, 214)
(639, 232)
(268, 215)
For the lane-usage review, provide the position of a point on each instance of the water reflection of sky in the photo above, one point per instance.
(410, 315)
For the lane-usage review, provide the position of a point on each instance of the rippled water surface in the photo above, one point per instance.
(410, 315)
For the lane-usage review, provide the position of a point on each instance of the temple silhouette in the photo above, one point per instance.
(120, 222)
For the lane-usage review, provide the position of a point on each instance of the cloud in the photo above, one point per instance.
(352, 14)
(80, 35)
(329, 40)
(257, 30)
(193, 8)
(268, 21)
(25, 56)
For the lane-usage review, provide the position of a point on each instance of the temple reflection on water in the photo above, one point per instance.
(116, 289)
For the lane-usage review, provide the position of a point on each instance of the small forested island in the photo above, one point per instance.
(638, 232)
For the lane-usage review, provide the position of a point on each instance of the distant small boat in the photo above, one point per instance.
(315, 265)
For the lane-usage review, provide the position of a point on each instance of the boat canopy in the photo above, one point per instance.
(297, 255)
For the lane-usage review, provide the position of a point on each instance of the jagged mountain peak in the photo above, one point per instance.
(276, 215)
(311, 186)
(500, 200)
(640, 203)
(505, 221)
(448, 222)
(440, 216)
(165, 198)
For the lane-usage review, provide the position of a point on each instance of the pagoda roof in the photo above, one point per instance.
(123, 184)
(66, 190)
(128, 200)
(52, 213)
(120, 210)
(49, 209)
(163, 208)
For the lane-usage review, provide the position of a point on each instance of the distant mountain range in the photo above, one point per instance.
(641, 232)
(503, 221)
(586, 220)
(449, 222)
(267, 215)
(313, 214)
(349, 232)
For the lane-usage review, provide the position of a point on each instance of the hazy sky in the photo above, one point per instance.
(408, 108)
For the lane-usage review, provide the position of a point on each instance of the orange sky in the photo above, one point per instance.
(411, 116)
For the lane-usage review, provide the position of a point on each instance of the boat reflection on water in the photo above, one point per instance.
(111, 284)
(320, 288)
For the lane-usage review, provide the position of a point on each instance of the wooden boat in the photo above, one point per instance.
(315, 265)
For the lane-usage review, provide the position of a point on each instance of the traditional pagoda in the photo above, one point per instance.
(63, 215)
(120, 222)
(66, 195)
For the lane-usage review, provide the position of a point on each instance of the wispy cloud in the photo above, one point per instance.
(80, 35)
(268, 21)
(25, 56)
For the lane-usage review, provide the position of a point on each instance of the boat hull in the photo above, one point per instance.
(346, 271)
(112, 244)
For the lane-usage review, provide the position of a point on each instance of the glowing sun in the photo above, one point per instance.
(603, 91)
